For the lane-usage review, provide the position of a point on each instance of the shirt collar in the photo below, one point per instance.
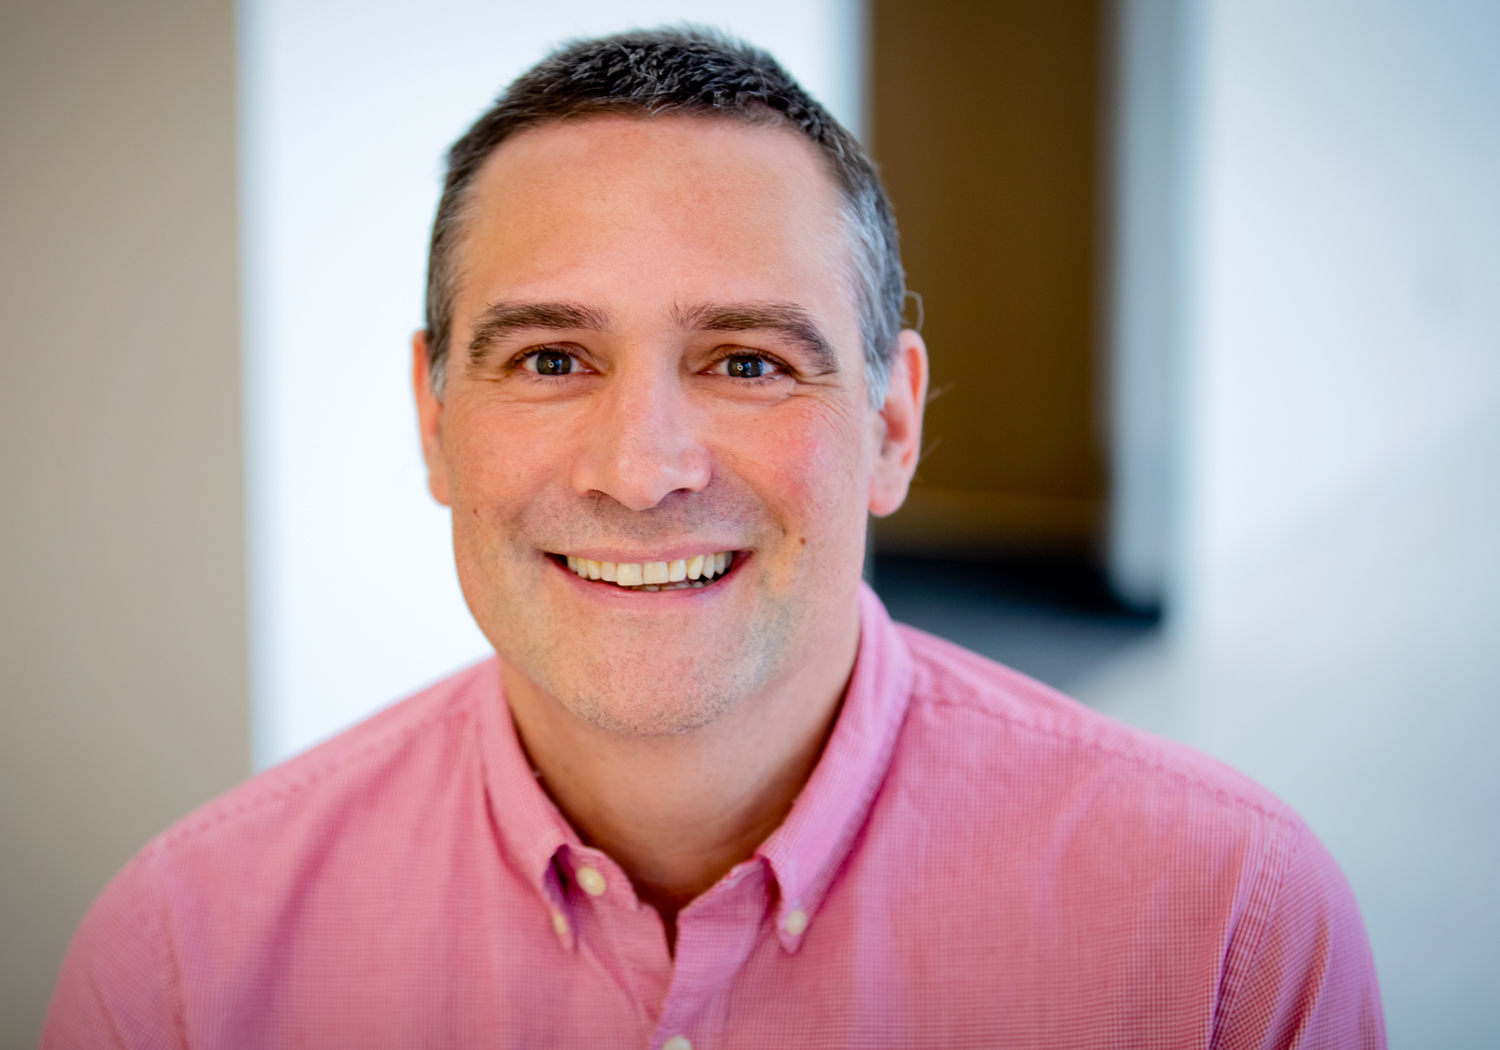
(530, 827)
(806, 851)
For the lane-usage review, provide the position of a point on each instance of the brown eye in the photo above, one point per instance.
(742, 366)
(552, 362)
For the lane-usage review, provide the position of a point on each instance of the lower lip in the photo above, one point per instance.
(609, 592)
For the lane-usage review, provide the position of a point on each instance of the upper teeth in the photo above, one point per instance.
(651, 574)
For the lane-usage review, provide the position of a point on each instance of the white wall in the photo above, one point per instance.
(1345, 261)
(1333, 305)
(346, 109)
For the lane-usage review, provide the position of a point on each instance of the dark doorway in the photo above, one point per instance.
(987, 128)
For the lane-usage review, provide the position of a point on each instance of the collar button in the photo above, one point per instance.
(592, 882)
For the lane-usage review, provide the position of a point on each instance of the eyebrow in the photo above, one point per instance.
(785, 319)
(500, 319)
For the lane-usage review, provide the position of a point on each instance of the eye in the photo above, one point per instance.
(745, 366)
(742, 367)
(549, 362)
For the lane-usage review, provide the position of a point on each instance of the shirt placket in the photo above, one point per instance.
(715, 935)
(610, 923)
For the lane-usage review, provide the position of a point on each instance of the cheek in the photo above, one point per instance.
(810, 470)
(497, 464)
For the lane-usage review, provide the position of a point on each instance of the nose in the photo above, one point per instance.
(642, 441)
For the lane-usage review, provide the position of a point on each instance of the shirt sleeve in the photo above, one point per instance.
(115, 989)
(1309, 980)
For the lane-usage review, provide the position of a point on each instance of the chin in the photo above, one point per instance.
(663, 716)
(656, 697)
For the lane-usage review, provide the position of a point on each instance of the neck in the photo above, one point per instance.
(676, 812)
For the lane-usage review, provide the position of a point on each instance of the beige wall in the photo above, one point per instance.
(123, 693)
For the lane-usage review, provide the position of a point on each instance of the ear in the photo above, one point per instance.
(429, 420)
(900, 428)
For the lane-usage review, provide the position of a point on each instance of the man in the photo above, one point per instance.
(707, 795)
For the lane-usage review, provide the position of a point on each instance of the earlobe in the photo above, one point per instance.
(429, 420)
(901, 441)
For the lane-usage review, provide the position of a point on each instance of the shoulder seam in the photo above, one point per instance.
(1284, 816)
(146, 906)
(1235, 975)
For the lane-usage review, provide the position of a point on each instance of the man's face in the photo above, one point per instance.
(656, 356)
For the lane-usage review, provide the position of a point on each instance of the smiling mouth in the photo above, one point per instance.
(683, 574)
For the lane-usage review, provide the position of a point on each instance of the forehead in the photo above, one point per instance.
(647, 209)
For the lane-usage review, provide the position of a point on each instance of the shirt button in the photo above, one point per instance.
(560, 923)
(796, 922)
(677, 1042)
(593, 884)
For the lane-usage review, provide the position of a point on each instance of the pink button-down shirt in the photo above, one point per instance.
(977, 861)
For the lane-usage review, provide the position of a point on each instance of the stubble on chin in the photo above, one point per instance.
(660, 683)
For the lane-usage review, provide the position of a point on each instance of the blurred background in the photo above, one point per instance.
(1211, 292)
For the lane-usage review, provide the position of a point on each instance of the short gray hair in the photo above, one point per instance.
(688, 70)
